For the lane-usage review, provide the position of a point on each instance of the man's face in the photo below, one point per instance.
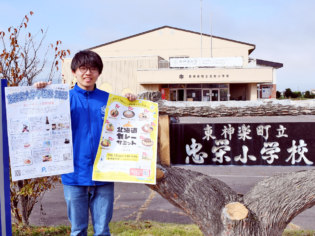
(86, 77)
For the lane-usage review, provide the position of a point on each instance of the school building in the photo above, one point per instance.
(184, 66)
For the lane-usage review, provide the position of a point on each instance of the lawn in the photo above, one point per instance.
(132, 228)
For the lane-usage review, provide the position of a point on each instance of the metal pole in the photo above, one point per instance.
(211, 36)
(200, 28)
(5, 207)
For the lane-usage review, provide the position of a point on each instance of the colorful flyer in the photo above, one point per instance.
(39, 131)
(128, 146)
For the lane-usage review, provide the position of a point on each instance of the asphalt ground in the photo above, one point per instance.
(138, 202)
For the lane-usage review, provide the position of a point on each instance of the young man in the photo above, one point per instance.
(87, 105)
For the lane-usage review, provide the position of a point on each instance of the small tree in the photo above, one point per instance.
(308, 94)
(296, 94)
(278, 94)
(288, 93)
(23, 59)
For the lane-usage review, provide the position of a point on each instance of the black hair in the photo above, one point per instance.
(87, 58)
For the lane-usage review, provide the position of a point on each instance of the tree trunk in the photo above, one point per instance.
(26, 201)
(265, 210)
(23, 202)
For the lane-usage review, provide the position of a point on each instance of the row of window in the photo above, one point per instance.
(199, 95)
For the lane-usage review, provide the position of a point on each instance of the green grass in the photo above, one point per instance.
(153, 228)
(132, 228)
(298, 233)
(40, 230)
(122, 228)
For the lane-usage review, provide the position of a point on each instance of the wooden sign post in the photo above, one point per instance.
(164, 140)
(164, 145)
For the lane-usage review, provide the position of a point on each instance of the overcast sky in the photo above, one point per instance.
(282, 30)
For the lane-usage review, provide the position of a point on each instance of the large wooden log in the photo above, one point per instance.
(265, 210)
(238, 108)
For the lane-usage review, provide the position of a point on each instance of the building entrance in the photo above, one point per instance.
(210, 95)
(214, 94)
(198, 92)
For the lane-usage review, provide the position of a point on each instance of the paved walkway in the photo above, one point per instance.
(132, 202)
(138, 202)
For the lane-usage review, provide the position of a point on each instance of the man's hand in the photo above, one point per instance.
(41, 84)
(131, 97)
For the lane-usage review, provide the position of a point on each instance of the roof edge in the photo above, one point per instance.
(276, 65)
(170, 27)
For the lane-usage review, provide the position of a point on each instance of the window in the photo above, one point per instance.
(193, 94)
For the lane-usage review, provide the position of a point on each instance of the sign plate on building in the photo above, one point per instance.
(206, 62)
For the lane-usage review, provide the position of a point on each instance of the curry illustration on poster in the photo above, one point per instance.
(39, 131)
(128, 146)
(243, 144)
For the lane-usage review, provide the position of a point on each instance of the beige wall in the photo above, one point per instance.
(171, 76)
(119, 74)
(137, 74)
(251, 92)
(132, 64)
(169, 42)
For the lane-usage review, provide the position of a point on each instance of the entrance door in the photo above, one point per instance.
(206, 95)
(214, 94)
(180, 95)
(177, 95)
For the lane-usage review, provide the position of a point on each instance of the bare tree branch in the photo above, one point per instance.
(22, 61)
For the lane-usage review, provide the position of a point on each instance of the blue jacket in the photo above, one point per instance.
(87, 114)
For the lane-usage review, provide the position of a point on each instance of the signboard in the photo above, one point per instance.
(206, 62)
(266, 92)
(39, 131)
(5, 210)
(288, 144)
(128, 146)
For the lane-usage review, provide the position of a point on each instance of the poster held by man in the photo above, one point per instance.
(39, 131)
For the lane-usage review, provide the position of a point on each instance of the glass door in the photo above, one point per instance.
(180, 95)
(173, 95)
(206, 95)
(214, 94)
(177, 95)
(224, 94)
